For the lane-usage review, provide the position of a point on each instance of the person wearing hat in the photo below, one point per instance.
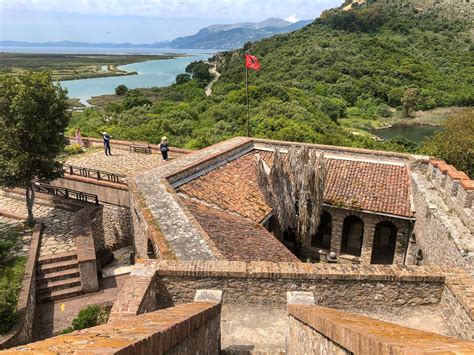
(164, 148)
(106, 138)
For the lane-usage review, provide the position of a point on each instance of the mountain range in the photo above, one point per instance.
(228, 36)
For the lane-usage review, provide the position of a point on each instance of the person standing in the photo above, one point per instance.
(79, 137)
(106, 137)
(164, 148)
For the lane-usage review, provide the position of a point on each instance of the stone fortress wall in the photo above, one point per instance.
(443, 199)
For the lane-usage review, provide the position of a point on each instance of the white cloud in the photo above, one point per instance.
(252, 9)
(292, 18)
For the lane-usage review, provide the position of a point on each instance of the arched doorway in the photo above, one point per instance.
(150, 250)
(419, 258)
(385, 239)
(322, 238)
(352, 234)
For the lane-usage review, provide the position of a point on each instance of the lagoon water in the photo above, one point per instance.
(416, 133)
(153, 73)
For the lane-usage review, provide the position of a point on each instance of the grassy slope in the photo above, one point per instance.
(71, 66)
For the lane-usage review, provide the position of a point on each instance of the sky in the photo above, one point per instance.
(139, 21)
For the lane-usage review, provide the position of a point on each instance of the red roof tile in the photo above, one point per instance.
(353, 184)
(238, 238)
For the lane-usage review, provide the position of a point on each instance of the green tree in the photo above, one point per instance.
(33, 117)
(455, 143)
(409, 100)
(182, 78)
(121, 90)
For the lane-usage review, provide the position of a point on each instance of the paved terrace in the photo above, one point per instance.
(58, 223)
(9, 227)
(121, 162)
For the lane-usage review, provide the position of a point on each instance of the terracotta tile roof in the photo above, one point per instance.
(239, 238)
(376, 187)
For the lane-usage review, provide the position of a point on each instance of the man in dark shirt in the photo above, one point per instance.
(106, 137)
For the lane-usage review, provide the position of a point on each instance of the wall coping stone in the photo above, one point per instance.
(300, 297)
(25, 303)
(214, 296)
(94, 181)
(160, 330)
(300, 271)
(363, 335)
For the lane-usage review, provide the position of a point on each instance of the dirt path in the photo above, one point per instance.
(213, 71)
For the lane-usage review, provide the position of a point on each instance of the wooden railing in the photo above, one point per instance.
(95, 174)
(66, 193)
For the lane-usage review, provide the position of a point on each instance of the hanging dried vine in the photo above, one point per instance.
(294, 189)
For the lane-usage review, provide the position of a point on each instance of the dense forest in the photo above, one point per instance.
(369, 64)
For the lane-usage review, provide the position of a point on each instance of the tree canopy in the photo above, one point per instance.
(33, 117)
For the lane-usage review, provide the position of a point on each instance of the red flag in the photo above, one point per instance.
(251, 62)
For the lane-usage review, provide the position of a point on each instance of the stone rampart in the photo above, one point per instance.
(192, 328)
(22, 331)
(145, 228)
(320, 330)
(443, 200)
(159, 283)
(88, 243)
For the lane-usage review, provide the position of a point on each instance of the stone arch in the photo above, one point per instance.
(352, 235)
(322, 238)
(385, 239)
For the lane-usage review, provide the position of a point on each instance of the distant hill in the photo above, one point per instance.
(235, 35)
(213, 37)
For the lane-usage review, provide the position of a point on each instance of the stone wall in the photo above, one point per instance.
(340, 286)
(320, 330)
(368, 288)
(443, 205)
(117, 225)
(184, 329)
(22, 331)
(460, 324)
(144, 228)
(88, 233)
(303, 339)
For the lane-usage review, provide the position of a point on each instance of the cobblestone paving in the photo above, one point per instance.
(121, 161)
(9, 228)
(58, 224)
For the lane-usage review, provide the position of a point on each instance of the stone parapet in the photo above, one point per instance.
(320, 330)
(184, 329)
(444, 225)
(22, 331)
(87, 247)
(456, 189)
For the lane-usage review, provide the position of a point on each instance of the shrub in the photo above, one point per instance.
(121, 90)
(73, 149)
(88, 317)
(11, 276)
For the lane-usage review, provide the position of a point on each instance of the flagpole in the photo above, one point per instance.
(248, 104)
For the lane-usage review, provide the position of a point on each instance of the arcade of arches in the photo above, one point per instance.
(354, 236)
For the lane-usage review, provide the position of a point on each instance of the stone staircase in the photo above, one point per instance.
(57, 277)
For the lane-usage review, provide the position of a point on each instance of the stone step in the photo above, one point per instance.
(60, 294)
(57, 266)
(58, 275)
(48, 285)
(49, 259)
